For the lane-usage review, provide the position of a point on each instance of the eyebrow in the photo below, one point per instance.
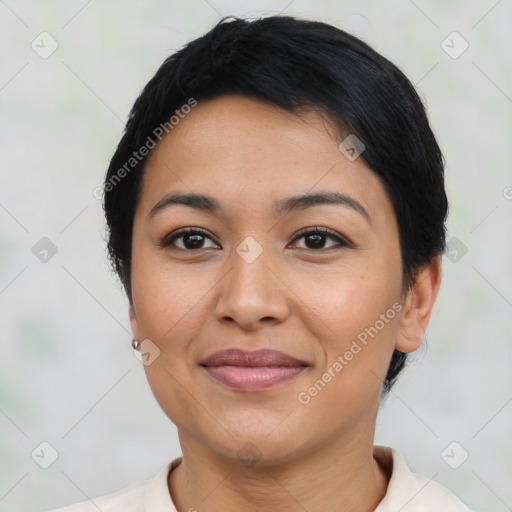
(284, 206)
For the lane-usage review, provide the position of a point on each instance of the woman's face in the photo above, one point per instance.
(250, 280)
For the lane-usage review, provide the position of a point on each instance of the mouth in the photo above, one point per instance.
(252, 371)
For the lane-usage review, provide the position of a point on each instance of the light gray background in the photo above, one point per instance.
(67, 372)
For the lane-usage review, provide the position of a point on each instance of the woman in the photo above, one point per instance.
(276, 213)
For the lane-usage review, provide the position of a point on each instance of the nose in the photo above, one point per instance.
(253, 293)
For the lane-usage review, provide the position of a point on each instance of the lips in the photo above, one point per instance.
(252, 371)
(258, 358)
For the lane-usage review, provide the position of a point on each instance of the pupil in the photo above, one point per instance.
(319, 240)
(197, 240)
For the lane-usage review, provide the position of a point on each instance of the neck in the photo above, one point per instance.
(346, 474)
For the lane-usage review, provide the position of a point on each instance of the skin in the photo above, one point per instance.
(310, 303)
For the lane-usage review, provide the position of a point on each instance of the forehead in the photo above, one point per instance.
(249, 154)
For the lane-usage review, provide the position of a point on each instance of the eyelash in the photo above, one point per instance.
(168, 240)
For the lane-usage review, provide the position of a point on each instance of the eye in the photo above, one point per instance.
(192, 239)
(317, 237)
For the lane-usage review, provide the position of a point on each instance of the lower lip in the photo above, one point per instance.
(253, 378)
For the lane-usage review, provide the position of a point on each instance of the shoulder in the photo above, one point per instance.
(149, 494)
(412, 492)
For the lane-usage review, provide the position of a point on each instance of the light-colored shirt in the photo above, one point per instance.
(406, 492)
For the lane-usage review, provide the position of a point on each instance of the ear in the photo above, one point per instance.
(418, 307)
(134, 322)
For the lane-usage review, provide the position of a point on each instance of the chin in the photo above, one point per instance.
(257, 442)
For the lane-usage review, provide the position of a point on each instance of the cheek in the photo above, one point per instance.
(170, 305)
(167, 297)
(353, 346)
(347, 301)
(355, 320)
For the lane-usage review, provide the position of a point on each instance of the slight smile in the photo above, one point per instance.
(252, 371)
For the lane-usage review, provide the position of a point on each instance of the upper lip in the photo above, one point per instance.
(256, 358)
